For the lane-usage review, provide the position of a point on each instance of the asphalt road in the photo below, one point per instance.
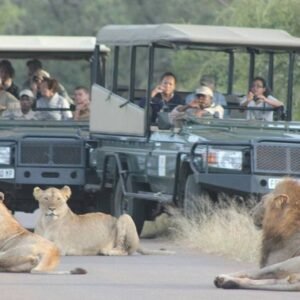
(188, 274)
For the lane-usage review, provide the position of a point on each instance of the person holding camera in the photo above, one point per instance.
(164, 96)
(259, 97)
(202, 106)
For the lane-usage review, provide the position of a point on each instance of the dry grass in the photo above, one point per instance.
(228, 231)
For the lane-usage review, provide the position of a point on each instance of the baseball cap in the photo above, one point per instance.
(204, 90)
(26, 92)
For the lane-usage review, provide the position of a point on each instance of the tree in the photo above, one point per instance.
(10, 14)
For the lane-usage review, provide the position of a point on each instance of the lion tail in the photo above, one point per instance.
(76, 271)
(144, 251)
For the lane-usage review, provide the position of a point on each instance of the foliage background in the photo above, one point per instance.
(77, 17)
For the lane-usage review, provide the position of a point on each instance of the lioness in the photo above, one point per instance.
(88, 234)
(24, 251)
(280, 254)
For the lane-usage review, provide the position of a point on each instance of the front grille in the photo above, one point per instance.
(51, 152)
(275, 158)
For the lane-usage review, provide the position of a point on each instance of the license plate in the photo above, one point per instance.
(7, 173)
(272, 182)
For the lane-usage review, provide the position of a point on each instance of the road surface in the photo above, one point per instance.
(186, 275)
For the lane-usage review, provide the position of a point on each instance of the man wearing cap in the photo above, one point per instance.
(209, 81)
(24, 112)
(200, 106)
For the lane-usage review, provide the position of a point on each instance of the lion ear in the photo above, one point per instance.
(66, 191)
(281, 200)
(36, 192)
(1, 197)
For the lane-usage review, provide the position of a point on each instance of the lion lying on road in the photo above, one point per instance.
(88, 234)
(24, 251)
(280, 254)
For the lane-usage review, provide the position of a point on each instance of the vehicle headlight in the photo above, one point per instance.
(225, 159)
(5, 155)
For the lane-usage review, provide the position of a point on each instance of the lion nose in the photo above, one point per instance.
(52, 208)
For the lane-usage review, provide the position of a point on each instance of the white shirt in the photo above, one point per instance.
(56, 101)
(259, 114)
(17, 114)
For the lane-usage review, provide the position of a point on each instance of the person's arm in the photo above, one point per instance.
(157, 90)
(193, 104)
(176, 114)
(245, 102)
(272, 101)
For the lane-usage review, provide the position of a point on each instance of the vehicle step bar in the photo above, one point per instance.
(158, 197)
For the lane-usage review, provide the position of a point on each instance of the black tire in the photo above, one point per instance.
(102, 202)
(185, 171)
(197, 200)
(132, 206)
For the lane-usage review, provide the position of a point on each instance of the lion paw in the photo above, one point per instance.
(225, 282)
(219, 280)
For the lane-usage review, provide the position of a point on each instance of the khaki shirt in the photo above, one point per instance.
(82, 115)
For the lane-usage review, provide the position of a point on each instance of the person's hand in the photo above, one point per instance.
(81, 107)
(157, 90)
(259, 99)
(250, 96)
(194, 104)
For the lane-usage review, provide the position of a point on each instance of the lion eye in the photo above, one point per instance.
(46, 198)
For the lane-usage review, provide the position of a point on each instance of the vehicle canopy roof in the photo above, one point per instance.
(169, 35)
(59, 47)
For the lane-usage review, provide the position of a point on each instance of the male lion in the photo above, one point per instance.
(24, 251)
(88, 234)
(280, 254)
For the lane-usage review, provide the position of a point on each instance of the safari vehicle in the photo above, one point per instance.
(46, 153)
(142, 167)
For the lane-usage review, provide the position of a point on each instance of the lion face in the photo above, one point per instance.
(52, 201)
